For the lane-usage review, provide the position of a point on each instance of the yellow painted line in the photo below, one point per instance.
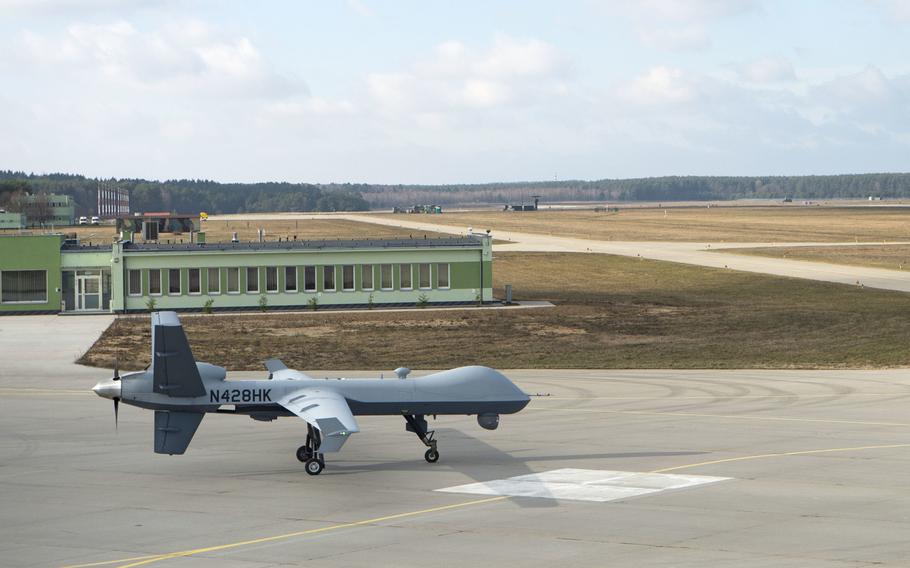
(143, 560)
(726, 416)
(780, 454)
(106, 562)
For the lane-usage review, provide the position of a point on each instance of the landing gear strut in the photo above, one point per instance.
(309, 452)
(417, 423)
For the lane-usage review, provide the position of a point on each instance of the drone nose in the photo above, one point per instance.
(107, 389)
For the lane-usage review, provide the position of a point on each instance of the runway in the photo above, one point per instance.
(816, 462)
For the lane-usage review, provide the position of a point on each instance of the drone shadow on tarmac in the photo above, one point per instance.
(482, 462)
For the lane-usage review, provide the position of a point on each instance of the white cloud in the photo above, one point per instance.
(692, 37)
(771, 69)
(512, 71)
(679, 25)
(361, 8)
(894, 10)
(867, 87)
(189, 56)
(695, 9)
(660, 85)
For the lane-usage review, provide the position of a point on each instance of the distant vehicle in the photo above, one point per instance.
(181, 390)
(83, 220)
(96, 220)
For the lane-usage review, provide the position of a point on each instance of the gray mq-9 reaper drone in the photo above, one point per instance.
(181, 391)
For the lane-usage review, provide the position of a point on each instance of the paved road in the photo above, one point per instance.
(688, 253)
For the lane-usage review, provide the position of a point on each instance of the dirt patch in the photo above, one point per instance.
(613, 312)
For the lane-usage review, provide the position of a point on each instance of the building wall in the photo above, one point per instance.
(470, 277)
(464, 276)
(62, 210)
(11, 221)
(32, 252)
(470, 274)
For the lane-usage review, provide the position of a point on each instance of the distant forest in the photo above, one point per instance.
(193, 196)
(186, 196)
(672, 188)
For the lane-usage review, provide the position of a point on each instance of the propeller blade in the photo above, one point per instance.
(117, 369)
(116, 413)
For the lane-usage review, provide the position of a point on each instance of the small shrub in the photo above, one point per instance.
(207, 306)
(313, 303)
(263, 303)
(478, 299)
(370, 304)
(422, 301)
(150, 304)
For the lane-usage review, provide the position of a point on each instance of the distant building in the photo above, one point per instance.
(112, 201)
(46, 210)
(12, 221)
(148, 225)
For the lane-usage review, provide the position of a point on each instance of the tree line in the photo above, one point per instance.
(193, 196)
(670, 188)
(186, 196)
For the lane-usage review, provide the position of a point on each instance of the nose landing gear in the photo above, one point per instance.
(417, 423)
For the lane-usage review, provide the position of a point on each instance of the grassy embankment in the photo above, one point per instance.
(612, 312)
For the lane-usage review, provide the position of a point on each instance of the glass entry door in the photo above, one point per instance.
(88, 290)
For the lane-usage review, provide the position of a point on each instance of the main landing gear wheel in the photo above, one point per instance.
(314, 467)
(304, 454)
(417, 423)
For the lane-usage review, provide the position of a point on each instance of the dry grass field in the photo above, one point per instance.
(894, 257)
(717, 224)
(221, 231)
(612, 312)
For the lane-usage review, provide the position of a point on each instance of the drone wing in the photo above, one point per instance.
(327, 411)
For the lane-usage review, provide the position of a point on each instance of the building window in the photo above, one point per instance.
(366, 276)
(173, 282)
(290, 278)
(252, 280)
(405, 275)
(23, 286)
(309, 278)
(155, 281)
(423, 275)
(233, 280)
(193, 284)
(135, 288)
(214, 281)
(442, 276)
(328, 278)
(271, 279)
(385, 273)
(347, 277)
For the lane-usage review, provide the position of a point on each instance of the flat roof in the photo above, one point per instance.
(360, 244)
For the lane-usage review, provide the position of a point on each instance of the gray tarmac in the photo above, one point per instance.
(818, 462)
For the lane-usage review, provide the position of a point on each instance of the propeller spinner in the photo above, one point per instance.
(110, 388)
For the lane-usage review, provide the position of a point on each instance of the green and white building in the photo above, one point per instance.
(43, 274)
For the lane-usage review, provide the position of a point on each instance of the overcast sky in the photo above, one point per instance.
(452, 92)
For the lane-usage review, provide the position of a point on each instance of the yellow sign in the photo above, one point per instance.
(203, 215)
